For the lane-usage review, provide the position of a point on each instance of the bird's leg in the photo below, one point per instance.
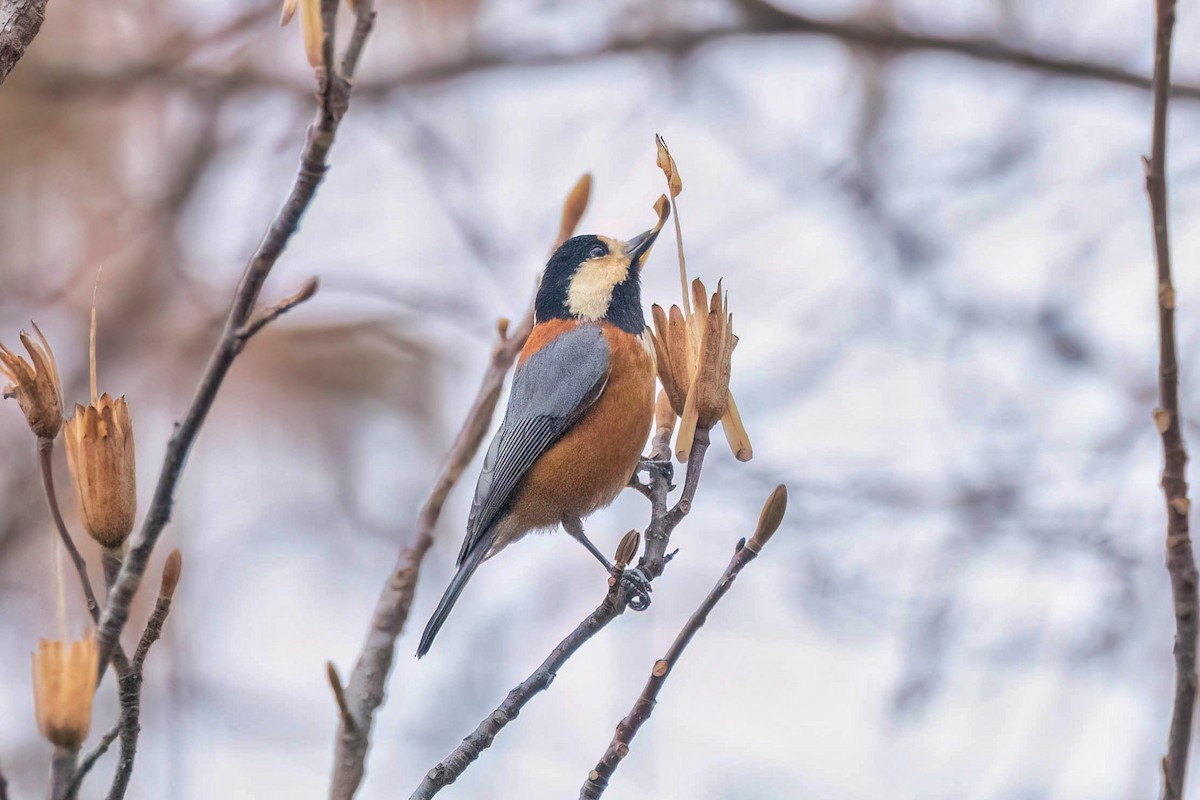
(639, 598)
(662, 466)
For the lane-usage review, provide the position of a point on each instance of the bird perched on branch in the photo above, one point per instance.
(580, 410)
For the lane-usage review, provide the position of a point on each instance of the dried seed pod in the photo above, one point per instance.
(64, 681)
(100, 454)
(34, 385)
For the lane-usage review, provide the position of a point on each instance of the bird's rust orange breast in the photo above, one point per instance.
(586, 469)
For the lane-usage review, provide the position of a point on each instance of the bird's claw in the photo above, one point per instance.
(637, 588)
(662, 466)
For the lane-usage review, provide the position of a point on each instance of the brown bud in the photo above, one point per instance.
(627, 549)
(64, 681)
(770, 518)
(667, 164)
(100, 454)
(35, 386)
(170, 574)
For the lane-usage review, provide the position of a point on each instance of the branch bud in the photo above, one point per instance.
(627, 549)
(770, 518)
(170, 575)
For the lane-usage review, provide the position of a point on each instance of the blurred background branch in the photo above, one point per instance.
(20, 21)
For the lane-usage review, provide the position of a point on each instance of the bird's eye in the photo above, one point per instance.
(597, 251)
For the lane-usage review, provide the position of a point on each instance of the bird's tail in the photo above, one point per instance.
(465, 570)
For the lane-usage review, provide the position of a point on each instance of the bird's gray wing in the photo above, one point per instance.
(550, 391)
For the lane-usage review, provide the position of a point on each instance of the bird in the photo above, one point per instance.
(579, 412)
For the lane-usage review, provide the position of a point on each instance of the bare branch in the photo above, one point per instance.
(743, 554)
(365, 692)
(339, 696)
(651, 565)
(1181, 564)
(89, 761)
(62, 771)
(334, 91)
(261, 320)
(20, 21)
(760, 18)
(448, 770)
(131, 683)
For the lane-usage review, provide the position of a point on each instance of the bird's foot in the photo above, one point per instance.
(637, 588)
(659, 466)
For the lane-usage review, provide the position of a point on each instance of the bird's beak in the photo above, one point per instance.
(637, 247)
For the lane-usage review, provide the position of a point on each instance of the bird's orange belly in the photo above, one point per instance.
(586, 469)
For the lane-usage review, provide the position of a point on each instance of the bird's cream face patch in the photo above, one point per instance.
(591, 289)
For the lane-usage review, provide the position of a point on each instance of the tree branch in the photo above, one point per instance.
(743, 554)
(759, 19)
(654, 559)
(365, 691)
(334, 93)
(1181, 564)
(131, 683)
(20, 21)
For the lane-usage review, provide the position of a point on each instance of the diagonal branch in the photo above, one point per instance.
(1181, 564)
(743, 554)
(759, 18)
(334, 93)
(663, 521)
(20, 21)
(131, 684)
(365, 692)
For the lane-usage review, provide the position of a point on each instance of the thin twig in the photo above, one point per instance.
(1181, 564)
(365, 691)
(334, 89)
(266, 317)
(597, 780)
(339, 696)
(760, 19)
(448, 770)
(87, 762)
(652, 563)
(62, 771)
(131, 683)
(20, 21)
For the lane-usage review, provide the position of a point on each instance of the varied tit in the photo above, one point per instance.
(580, 410)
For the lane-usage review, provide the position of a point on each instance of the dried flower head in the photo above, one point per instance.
(100, 453)
(693, 348)
(34, 385)
(64, 681)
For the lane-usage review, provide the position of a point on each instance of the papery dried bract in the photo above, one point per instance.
(672, 354)
(34, 385)
(64, 681)
(667, 164)
(100, 453)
